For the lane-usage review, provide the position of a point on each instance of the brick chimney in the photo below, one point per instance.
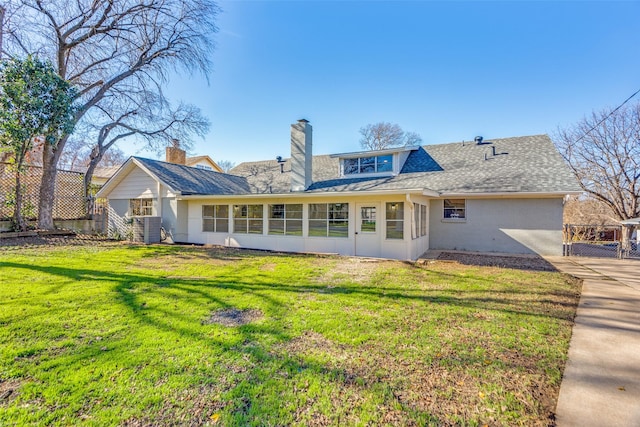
(301, 155)
(175, 154)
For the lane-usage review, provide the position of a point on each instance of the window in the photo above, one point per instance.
(454, 209)
(285, 219)
(329, 219)
(395, 220)
(372, 164)
(141, 207)
(368, 219)
(215, 218)
(205, 167)
(419, 220)
(247, 219)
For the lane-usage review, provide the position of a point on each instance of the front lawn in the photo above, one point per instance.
(162, 335)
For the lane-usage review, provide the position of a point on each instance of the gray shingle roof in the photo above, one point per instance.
(521, 164)
(193, 181)
(528, 164)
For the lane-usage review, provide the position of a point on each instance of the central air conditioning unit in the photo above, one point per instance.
(146, 229)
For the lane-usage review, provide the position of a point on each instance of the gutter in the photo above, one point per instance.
(300, 194)
(518, 194)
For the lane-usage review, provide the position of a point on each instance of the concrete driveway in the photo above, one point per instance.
(601, 382)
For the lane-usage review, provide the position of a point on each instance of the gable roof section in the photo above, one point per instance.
(529, 164)
(181, 179)
(188, 180)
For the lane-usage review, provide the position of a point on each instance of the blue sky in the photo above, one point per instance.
(446, 70)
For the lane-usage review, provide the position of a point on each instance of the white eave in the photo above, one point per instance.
(375, 152)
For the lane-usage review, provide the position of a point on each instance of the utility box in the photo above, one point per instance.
(146, 229)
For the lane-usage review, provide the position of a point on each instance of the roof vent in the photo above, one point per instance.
(478, 140)
(281, 163)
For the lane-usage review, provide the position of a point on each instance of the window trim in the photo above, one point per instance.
(387, 220)
(454, 219)
(141, 201)
(248, 218)
(419, 225)
(215, 218)
(372, 218)
(285, 219)
(359, 165)
(328, 220)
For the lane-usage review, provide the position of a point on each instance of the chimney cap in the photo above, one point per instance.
(303, 121)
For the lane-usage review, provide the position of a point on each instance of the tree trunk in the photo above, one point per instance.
(94, 159)
(18, 221)
(50, 155)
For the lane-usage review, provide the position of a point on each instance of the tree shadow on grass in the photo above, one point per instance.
(222, 291)
(261, 283)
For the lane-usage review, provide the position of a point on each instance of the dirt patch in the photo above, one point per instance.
(234, 317)
(504, 261)
(8, 391)
(358, 270)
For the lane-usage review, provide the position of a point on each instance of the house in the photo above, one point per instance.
(504, 195)
(101, 175)
(203, 162)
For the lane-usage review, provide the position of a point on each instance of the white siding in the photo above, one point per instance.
(136, 184)
(519, 226)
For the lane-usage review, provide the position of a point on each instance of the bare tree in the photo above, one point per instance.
(586, 215)
(226, 165)
(143, 116)
(113, 51)
(383, 135)
(603, 150)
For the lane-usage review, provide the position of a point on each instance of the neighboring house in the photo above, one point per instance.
(203, 162)
(504, 195)
(102, 174)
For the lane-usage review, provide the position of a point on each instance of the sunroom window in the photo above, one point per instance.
(247, 219)
(285, 219)
(329, 219)
(215, 218)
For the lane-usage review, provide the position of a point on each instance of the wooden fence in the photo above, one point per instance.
(69, 199)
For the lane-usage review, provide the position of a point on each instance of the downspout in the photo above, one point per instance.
(412, 226)
(159, 210)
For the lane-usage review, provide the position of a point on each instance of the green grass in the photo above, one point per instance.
(113, 335)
